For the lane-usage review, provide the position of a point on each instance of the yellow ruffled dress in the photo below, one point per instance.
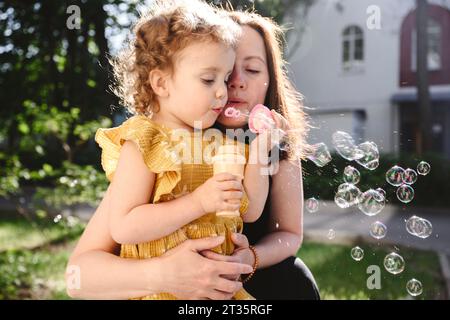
(174, 178)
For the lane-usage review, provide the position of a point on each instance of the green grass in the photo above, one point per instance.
(20, 233)
(39, 273)
(33, 257)
(340, 277)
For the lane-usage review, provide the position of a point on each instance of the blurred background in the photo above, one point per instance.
(378, 70)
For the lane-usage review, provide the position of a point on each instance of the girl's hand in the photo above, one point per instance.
(190, 276)
(242, 254)
(221, 192)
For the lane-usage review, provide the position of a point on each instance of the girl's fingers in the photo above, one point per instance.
(225, 176)
(232, 195)
(227, 206)
(231, 185)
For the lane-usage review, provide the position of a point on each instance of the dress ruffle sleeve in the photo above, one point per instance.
(153, 143)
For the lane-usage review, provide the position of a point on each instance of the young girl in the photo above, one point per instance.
(175, 72)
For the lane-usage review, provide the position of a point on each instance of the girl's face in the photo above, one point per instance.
(249, 81)
(198, 87)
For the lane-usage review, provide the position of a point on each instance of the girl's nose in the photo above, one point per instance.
(221, 92)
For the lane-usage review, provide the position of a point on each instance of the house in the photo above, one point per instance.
(356, 67)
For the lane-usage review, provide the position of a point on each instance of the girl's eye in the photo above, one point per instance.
(208, 81)
(253, 71)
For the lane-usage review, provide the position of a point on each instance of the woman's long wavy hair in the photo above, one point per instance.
(281, 94)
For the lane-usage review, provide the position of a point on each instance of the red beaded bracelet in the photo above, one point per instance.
(255, 265)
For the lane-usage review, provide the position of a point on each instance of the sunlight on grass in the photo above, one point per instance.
(340, 277)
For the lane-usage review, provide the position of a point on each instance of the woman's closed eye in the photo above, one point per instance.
(253, 71)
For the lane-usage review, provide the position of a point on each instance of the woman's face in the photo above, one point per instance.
(248, 83)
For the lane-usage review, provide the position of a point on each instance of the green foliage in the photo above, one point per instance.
(73, 184)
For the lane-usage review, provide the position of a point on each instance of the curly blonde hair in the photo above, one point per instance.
(167, 28)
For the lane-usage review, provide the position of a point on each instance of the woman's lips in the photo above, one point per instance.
(236, 104)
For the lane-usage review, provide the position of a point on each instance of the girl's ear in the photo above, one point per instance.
(158, 79)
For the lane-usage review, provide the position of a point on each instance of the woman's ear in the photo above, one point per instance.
(158, 79)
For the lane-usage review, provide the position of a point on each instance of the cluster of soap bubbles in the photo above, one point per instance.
(365, 154)
(372, 201)
(419, 227)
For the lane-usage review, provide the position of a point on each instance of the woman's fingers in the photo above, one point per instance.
(280, 121)
(233, 268)
(240, 240)
(206, 243)
(219, 257)
(228, 286)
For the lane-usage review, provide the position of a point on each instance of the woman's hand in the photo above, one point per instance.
(270, 138)
(242, 254)
(191, 276)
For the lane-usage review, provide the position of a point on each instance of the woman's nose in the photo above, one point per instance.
(236, 81)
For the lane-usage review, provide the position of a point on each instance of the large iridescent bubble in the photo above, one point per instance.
(371, 202)
(345, 146)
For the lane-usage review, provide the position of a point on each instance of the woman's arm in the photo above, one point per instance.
(94, 272)
(256, 179)
(286, 223)
(286, 216)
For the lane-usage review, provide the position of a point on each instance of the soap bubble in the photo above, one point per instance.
(419, 227)
(371, 202)
(423, 168)
(382, 192)
(320, 156)
(357, 253)
(345, 146)
(351, 175)
(394, 176)
(394, 263)
(347, 195)
(409, 176)
(232, 112)
(405, 193)
(371, 157)
(331, 234)
(312, 205)
(378, 230)
(414, 287)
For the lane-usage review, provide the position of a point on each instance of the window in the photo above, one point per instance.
(353, 46)
(434, 46)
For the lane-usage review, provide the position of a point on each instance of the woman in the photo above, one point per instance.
(190, 271)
